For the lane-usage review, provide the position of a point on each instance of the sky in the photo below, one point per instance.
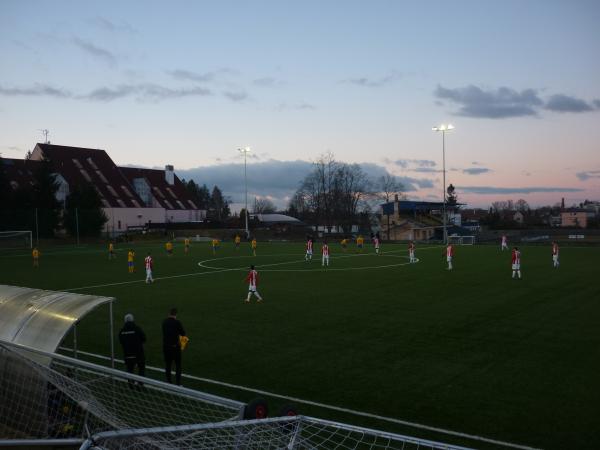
(189, 82)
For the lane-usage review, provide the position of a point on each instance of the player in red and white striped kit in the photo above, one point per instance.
(252, 279)
(516, 262)
(411, 253)
(325, 254)
(149, 264)
(555, 261)
(309, 250)
(504, 244)
(376, 244)
(449, 255)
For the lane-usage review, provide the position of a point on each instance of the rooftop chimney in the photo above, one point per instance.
(562, 203)
(169, 175)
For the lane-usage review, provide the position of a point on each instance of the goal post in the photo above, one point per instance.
(461, 240)
(16, 239)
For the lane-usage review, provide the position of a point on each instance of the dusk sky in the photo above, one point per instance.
(187, 83)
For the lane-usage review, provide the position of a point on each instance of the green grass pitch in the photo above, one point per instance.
(469, 350)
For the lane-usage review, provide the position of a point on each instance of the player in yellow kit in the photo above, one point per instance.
(169, 248)
(360, 241)
(130, 262)
(253, 244)
(215, 245)
(111, 251)
(186, 245)
(344, 243)
(237, 241)
(36, 257)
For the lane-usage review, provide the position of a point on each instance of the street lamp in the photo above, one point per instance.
(245, 151)
(443, 128)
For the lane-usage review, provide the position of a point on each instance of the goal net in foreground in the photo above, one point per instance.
(461, 240)
(16, 239)
(49, 397)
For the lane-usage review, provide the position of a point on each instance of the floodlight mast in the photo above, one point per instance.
(444, 128)
(245, 151)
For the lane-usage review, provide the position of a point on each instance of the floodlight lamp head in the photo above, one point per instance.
(244, 149)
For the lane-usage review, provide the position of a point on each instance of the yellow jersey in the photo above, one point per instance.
(130, 256)
(237, 239)
(253, 243)
(35, 253)
(169, 246)
(111, 247)
(344, 241)
(360, 240)
(215, 242)
(186, 242)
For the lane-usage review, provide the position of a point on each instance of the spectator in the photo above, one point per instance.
(172, 330)
(132, 340)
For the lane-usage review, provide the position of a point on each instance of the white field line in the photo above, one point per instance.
(219, 270)
(330, 407)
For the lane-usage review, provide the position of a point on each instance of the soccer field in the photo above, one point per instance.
(469, 350)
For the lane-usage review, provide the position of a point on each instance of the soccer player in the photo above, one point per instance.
(504, 245)
(516, 262)
(449, 255)
(237, 241)
(411, 252)
(130, 262)
(325, 254)
(186, 245)
(36, 257)
(344, 244)
(376, 244)
(253, 244)
(169, 248)
(555, 255)
(215, 245)
(111, 250)
(309, 250)
(359, 242)
(252, 279)
(149, 263)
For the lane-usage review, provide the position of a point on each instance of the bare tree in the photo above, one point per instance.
(387, 186)
(263, 206)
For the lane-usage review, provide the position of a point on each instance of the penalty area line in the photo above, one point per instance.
(325, 406)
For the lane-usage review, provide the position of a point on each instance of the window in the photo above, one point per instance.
(119, 224)
(121, 203)
(102, 177)
(143, 190)
(92, 163)
(135, 203)
(77, 163)
(14, 185)
(105, 202)
(86, 175)
(127, 191)
(180, 204)
(171, 192)
(111, 190)
(158, 191)
(169, 204)
(193, 204)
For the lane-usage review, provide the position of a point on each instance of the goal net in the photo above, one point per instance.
(16, 239)
(47, 396)
(461, 240)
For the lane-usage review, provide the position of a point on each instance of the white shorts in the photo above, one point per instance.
(252, 288)
(148, 273)
(554, 258)
(449, 258)
(516, 266)
(309, 252)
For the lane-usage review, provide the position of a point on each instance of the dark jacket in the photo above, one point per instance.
(172, 329)
(132, 339)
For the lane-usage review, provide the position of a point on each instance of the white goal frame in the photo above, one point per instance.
(28, 234)
(461, 240)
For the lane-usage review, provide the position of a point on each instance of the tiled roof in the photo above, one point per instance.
(19, 172)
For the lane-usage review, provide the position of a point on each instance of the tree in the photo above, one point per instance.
(84, 212)
(522, 205)
(219, 205)
(263, 206)
(44, 198)
(387, 186)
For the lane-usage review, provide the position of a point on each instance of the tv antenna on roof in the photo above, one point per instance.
(45, 132)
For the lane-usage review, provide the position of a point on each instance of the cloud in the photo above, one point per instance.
(485, 190)
(596, 103)
(586, 175)
(95, 51)
(476, 170)
(422, 163)
(238, 96)
(37, 90)
(108, 25)
(267, 82)
(504, 102)
(204, 77)
(375, 82)
(565, 103)
(295, 106)
(144, 92)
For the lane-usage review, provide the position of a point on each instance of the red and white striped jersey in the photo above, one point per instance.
(411, 247)
(376, 242)
(449, 250)
(148, 262)
(516, 257)
(503, 239)
(252, 278)
(555, 249)
(325, 250)
(309, 246)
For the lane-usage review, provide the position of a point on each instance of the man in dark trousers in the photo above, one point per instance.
(132, 340)
(172, 329)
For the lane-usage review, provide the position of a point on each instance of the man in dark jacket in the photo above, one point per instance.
(172, 329)
(132, 340)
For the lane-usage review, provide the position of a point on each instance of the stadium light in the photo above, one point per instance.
(444, 128)
(245, 151)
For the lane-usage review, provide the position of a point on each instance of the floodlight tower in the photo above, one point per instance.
(245, 151)
(444, 128)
